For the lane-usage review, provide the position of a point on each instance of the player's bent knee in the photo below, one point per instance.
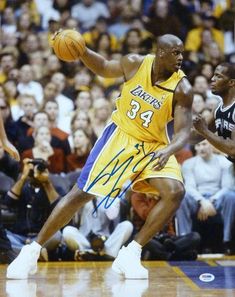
(177, 193)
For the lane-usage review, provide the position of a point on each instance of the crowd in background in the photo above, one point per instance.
(55, 111)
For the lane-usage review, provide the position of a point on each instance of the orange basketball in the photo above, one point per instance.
(68, 45)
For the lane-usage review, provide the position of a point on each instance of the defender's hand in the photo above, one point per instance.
(200, 124)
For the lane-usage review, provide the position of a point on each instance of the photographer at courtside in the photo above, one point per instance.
(32, 197)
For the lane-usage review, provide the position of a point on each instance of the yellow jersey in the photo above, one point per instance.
(144, 110)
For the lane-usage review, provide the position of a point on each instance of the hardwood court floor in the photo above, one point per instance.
(96, 279)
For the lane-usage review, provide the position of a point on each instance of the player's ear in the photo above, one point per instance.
(232, 82)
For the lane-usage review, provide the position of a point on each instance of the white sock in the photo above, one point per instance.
(36, 245)
(135, 247)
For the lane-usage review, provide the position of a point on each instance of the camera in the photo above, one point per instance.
(40, 164)
(97, 241)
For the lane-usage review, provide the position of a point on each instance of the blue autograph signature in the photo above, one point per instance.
(119, 169)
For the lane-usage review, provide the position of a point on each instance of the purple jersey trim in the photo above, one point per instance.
(100, 143)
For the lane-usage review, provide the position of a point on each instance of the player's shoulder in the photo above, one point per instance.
(130, 64)
(132, 59)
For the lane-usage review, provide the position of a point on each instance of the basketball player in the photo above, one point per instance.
(7, 146)
(223, 122)
(133, 150)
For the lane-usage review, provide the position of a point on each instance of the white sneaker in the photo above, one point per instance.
(25, 263)
(128, 263)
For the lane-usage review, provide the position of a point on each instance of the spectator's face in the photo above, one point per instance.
(50, 91)
(204, 149)
(198, 103)
(24, 21)
(59, 80)
(8, 15)
(80, 139)
(7, 63)
(42, 135)
(51, 108)
(102, 109)
(83, 101)
(133, 39)
(81, 121)
(53, 63)
(41, 119)
(14, 74)
(82, 78)
(207, 71)
(161, 9)
(10, 87)
(26, 74)
(200, 85)
(28, 105)
(32, 43)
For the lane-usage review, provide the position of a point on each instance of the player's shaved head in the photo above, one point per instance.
(168, 40)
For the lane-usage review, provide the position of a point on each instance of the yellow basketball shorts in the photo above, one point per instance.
(118, 162)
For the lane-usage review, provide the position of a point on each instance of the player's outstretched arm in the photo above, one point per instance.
(125, 67)
(7, 146)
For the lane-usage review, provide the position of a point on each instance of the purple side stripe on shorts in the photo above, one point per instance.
(100, 143)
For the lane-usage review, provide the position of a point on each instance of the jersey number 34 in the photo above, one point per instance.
(146, 116)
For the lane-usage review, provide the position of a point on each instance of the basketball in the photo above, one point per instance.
(68, 45)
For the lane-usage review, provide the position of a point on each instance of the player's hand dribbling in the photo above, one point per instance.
(200, 124)
(12, 151)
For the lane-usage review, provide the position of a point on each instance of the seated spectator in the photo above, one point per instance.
(93, 233)
(65, 103)
(83, 101)
(207, 181)
(12, 98)
(102, 112)
(28, 86)
(132, 42)
(7, 63)
(81, 120)
(52, 109)
(33, 197)
(88, 11)
(198, 103)
(93, 35)
(58, 140)
(28, 106)
(81, 149)
(167, 22)
(42, 149)
(194, 37)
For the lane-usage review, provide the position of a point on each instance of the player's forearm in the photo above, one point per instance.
(99, 65)
(3, 136)
(225, 146)
(179, 141)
